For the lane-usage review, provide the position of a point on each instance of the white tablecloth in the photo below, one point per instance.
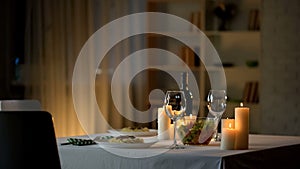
(264, 151)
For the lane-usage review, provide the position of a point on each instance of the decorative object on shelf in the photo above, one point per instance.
(225, 12)
(252, 63)
(242, 127)
(227, 64)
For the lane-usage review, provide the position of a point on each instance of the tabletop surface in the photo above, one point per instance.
(261, 147)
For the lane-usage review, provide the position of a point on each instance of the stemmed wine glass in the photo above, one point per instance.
(175, 106)
(217, 105)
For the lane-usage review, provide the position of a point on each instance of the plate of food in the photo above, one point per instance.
(135, 131)
(124, 141)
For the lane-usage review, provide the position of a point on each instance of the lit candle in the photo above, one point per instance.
(228, 137)
(242, 127)
(189, 120)
(164, 123)
(225, 123)
(191, 117)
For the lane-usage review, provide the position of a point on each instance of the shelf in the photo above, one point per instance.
(243, 69)
(191, 34)
(229, 70)
(236, 32)
(197, 35)
(171, 1)
(232, 69)
(240, 20)
(177, 68)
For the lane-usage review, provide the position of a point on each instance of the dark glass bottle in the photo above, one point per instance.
(188, 94)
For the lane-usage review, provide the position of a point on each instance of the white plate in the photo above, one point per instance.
(147, 144)
(125, 145)
(151, 132)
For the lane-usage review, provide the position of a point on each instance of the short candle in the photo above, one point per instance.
(228, 138)
(225, 123)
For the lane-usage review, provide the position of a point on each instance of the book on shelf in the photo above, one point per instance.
(196, 20)
(189, 57)
(246, 93)
(254, 93)
(251, 94)
(254, 19)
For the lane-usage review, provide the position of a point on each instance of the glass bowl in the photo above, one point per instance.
(197, 131)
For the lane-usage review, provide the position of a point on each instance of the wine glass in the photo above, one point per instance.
(217, 105)
(175, 106)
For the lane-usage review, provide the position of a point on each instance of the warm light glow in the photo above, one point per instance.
(230, 126)
(241, 104)
(191, 116)
(53, 122)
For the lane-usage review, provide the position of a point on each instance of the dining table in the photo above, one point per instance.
(265, 151)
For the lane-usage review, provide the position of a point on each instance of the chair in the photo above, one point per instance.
(27, 140)
(15, 105)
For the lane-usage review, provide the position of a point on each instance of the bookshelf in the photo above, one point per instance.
(236, 44)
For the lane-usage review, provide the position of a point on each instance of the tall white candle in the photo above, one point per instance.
(228, 138)
(164, 123)
(242, 127)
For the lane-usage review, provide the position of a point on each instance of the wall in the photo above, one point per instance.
(280, 90)
(11, 46)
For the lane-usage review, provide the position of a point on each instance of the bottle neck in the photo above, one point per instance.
(184, 80)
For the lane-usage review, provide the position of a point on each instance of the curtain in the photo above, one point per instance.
(56, 30)
(109, 11)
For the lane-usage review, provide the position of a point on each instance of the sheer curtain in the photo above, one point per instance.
(109, 10)
(56, 30)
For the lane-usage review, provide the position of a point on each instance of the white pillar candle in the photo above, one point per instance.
(164, 123)
(225, 123)
(228, 138)
(242, 127)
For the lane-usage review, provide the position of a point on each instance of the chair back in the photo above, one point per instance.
(14, 105)
(27, 140)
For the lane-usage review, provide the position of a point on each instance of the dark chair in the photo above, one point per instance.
(27, 140)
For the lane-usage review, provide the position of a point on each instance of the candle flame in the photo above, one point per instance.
(241, 104)
(230, 125)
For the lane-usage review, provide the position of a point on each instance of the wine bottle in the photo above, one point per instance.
(188, 95)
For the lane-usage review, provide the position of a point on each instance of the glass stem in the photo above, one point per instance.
(216, 131)
(175, 142)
